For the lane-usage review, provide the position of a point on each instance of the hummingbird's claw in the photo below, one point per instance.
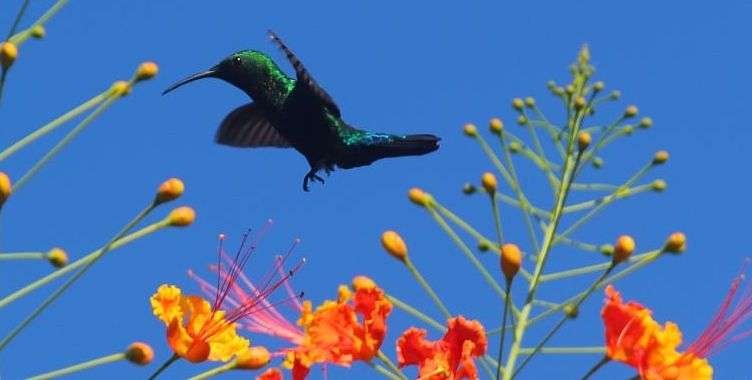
(311, 176)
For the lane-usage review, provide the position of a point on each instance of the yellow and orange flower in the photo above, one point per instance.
(195, 331)
(270, 374)
(333, 333)
(636, 339)
(451, 357)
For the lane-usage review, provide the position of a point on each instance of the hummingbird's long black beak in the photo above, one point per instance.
(211, 73)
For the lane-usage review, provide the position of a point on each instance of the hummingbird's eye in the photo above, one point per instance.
(237, 61)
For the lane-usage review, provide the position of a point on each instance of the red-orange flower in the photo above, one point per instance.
(270, 374)
(447, 359)
(198, 330)
(334, 333)
(634, 338)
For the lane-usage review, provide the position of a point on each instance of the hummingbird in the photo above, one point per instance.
(298, 113)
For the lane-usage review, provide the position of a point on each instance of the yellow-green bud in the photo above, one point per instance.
(659, 185)
(598, 86)
(597, 162)
(615, 95)
(517, 104)
(515, 147)
(522, 120)
(470, 130)
(630, 112)
(38, 31)
(646, 122)
(530, 102)
(496, 126)
(469, 188)
(660, 157)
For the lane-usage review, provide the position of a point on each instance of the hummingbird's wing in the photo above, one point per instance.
(305, 78)
(248, 127)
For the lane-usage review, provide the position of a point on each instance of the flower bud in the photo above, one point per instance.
(646, 122)
(630, 112)
(583, 141)
(489, 182)
(660, 157)
(470, 130)
(496, 126)
(38, 31)
(139, 353)
(579, 103)
(598, 86)
(515, 147)
(57, 257)
(181, 217)
(121, 88)
(394, 245)
(146, 70)
(484, 245)
(530, 102)
(253, 358)
(623, 248)
(169, 190)
(469, 189)
(511, 260)
(8, 54)
(607, 249)
(271, 374)
(5, 188)
(517, 104)
(522, 120)
(658, 185)
(597, 162)
(676, 243)
(615, 95)
(419, 197)
(571, 311)
(569, 89)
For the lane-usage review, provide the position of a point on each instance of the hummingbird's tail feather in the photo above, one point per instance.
(394, 146)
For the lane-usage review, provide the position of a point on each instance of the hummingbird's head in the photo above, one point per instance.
(246, 69)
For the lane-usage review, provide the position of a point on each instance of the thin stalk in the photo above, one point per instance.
(503, 333)
(80, 262)
(608, 198)
(79, 367)
(604, 360)
(592, 268)
(415, 313)
(164, 366)
(60, 145)
(49, 127)
(385, 359)
(214, 371)
(469, 254)
(17, 21)
(424, 284)
(497, 221)
(645, 261)
(23, 255)
(141, 215)
(484, 364)
(380, 369)
(565, 318)
(565, 350)
(522, 319)
(19, 38)
(542, 154)
(530, 154)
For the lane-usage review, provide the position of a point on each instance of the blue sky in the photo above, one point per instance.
(392, 66)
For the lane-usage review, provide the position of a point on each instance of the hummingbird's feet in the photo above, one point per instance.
(311, 176)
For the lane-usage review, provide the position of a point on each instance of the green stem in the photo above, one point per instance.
(542, 154)
(383, 371)
(567, 178)
(75, 277)
(565, 350)
(17, 21)
(604, 360)
(164, 366)
(79, 367)
(385, 359)
(80, 262)
(415, 313)
(424, 284)
(469, 254)
(22, 255)
(503, 332)
(608, 198)
(497, 221)
(214, 371)
(49, 127)
(565, 318)
(19, 38)
(60, 145)
(592, 268)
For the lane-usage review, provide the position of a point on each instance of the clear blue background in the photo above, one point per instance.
(394, 66)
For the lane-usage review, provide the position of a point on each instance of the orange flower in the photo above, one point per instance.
(333, 333)
(198, 330)
(634, 338)
(447, 359)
